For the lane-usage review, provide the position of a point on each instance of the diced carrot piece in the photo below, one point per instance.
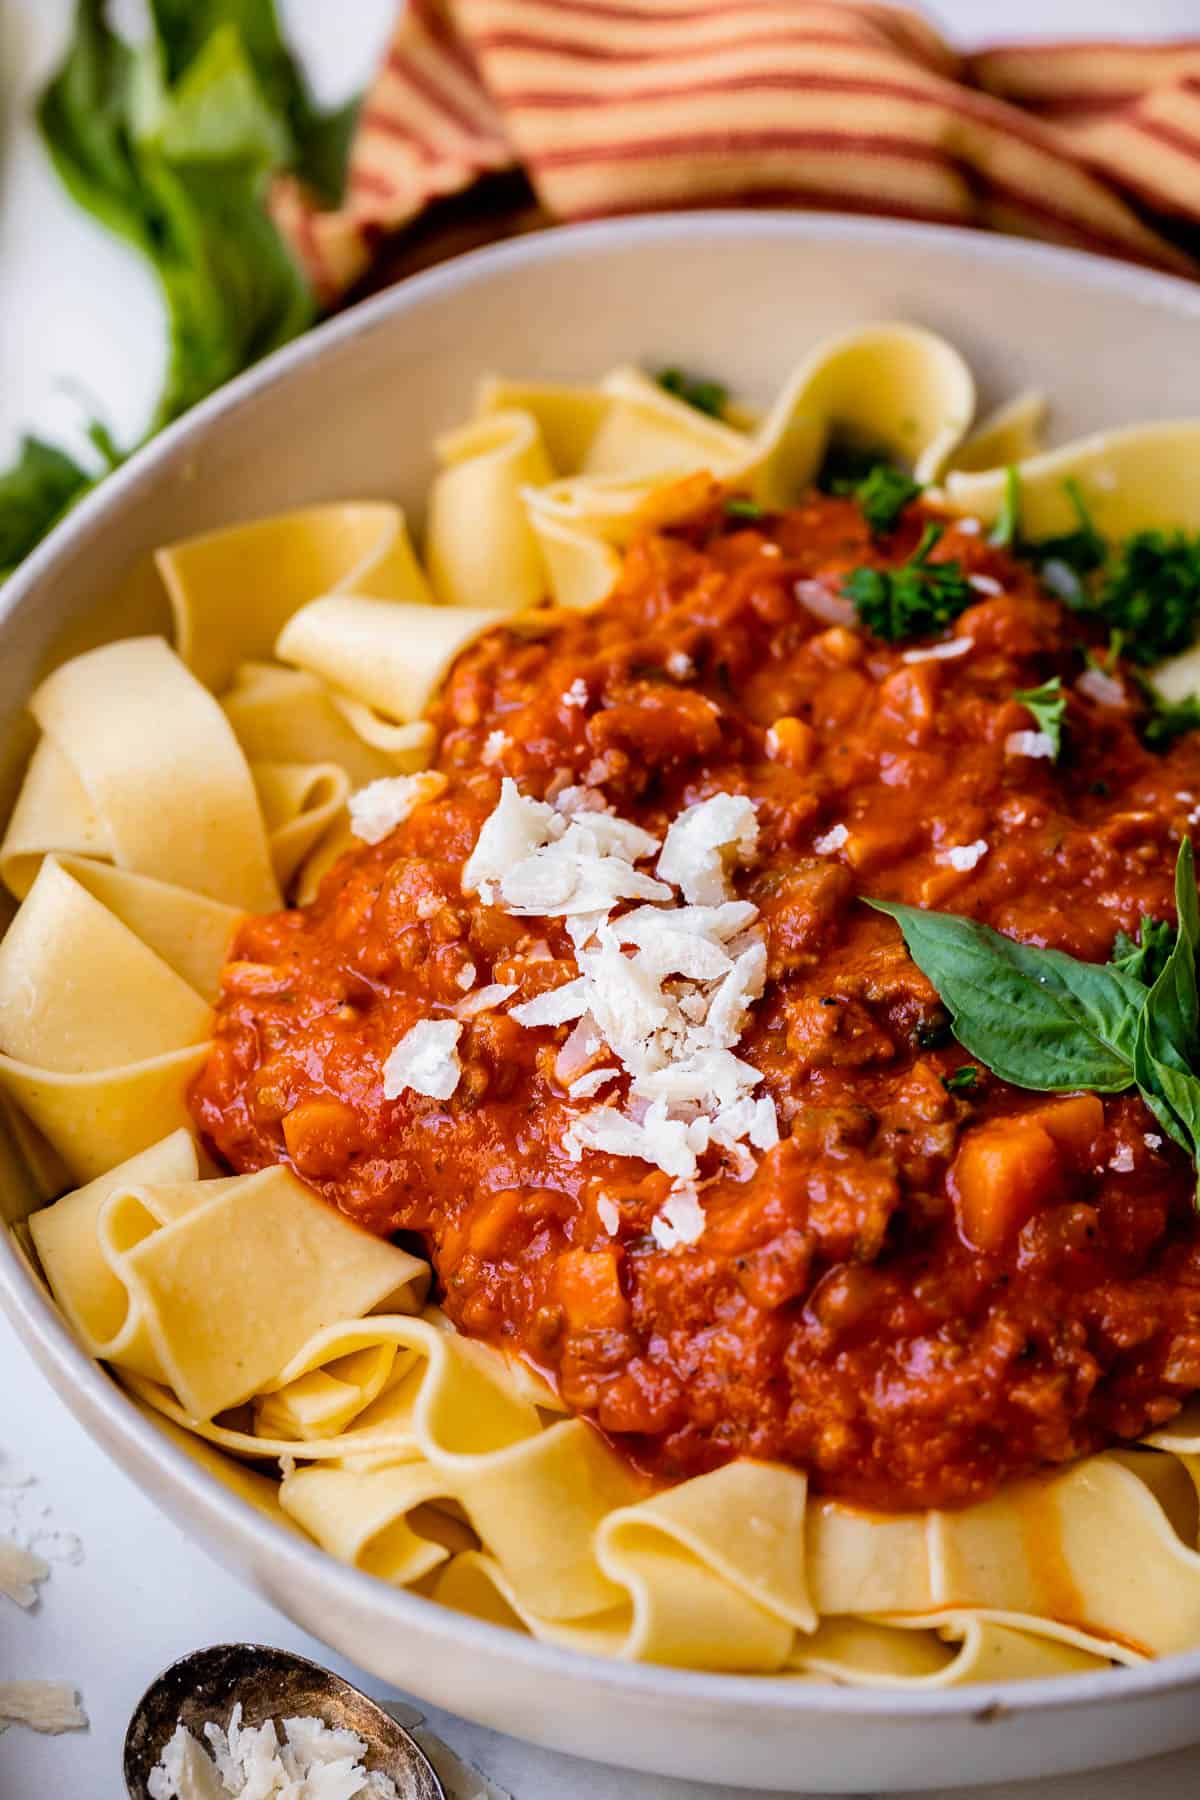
(1002, 1174)
(1075, 1122)
(490, 1226)
(320, 1134)
(589, 1290)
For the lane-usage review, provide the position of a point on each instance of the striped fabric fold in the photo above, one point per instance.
(620, 106)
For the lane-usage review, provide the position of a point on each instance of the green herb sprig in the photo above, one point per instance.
(883, 496)
(1048, 705)
(1044, 1020)
(914, 600)
(1151, 593)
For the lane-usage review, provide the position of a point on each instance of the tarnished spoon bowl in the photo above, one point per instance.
(203, 1689)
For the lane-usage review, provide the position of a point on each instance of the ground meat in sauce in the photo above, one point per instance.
(832, 1315)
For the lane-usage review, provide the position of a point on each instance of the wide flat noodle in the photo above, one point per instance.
(388, 1421)
(896, 388)
(289, 716)
(1131, 480)
(199, 1285)
(162, 772)
(99, 1035)
(300, 802)
(390, 655)
(232, 591)
(479, 545)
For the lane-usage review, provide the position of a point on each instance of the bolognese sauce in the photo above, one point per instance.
(934, 1281)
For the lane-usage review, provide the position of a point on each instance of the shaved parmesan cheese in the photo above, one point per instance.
(591, 1083)
(663, 990)
(833, 840)
(704, 843)
(679, 1221)
(465, 979)
(608, 1214)
(494, 746)
(945, 652)
(484, 999)
(680, 666)
(554, 1007)
(377, 809)
(971, 527)
(425, 1060)
(1121, 1160)
(577, 694)
(1101, 687)
(515, 829)
(964, 856)
(312, 1761)
(48, 1706)
(1029, 743)
(20, 1571)
(985, 584)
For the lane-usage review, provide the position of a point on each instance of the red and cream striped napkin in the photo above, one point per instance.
(620, 106)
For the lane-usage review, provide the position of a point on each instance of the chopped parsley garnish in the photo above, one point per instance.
(1048, 704)
(964, 1080)
(741, 506)
(914, 600)
(1144, 957)
(709, 397)
(883, 496)
(1151, 593)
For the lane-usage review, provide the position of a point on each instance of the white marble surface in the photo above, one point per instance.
(77, 312)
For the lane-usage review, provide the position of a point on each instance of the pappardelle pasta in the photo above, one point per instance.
(631, 1074)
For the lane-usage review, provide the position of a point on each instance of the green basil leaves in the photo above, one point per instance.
(1044, 1020)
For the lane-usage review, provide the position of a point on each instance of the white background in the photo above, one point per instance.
(79, 315)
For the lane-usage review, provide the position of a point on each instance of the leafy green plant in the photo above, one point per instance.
(172, 147)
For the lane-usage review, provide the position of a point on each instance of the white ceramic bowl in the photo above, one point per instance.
(351, 411)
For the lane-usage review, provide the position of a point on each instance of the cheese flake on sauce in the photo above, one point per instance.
(663, 989)
(425, 1061)
(377, 809)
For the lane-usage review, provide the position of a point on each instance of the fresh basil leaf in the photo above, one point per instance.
(964, 1080)
(1035, 1017)
(1145, 956)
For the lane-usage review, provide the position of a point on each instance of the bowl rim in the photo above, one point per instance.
(87, 1389)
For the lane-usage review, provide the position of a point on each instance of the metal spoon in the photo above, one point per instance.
(270, 1684)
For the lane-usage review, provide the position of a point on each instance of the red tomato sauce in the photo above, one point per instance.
(918, 1293)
